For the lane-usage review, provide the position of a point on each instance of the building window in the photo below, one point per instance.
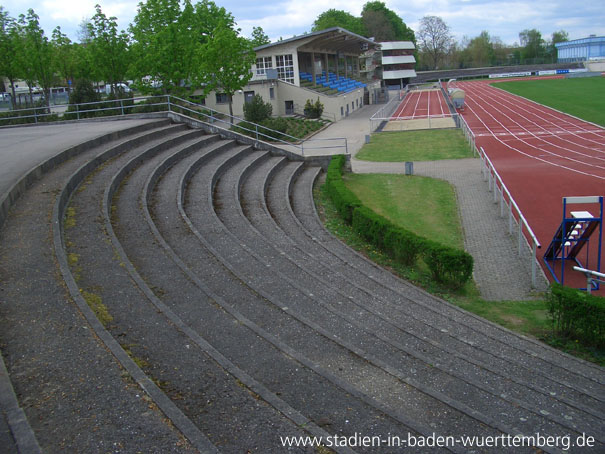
(222, 98)
(262, 64)
(272, 92)
(285, 68)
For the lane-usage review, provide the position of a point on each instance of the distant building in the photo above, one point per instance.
(586, 49)
(393, 64)
(322, 65)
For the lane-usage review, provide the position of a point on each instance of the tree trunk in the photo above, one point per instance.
(13, 96)
(230, 107)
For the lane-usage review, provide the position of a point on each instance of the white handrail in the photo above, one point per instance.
(494, 180)
(590, 277)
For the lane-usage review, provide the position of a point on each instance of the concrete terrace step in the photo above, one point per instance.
(237, 318)
(496, 394)
(74, 393)
(426, 344)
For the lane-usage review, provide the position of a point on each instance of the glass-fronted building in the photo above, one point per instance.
(591, 48)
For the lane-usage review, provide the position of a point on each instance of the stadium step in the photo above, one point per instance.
(243, 319)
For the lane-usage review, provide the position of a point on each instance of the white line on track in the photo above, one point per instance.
(484, 102)
(537, 158)
(493, 94)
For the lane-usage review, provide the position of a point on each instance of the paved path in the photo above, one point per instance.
(24, 147)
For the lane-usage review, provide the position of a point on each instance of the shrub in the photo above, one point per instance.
(577, 314)
(448, 265)
(313, 109)
(257, 110)
(344, 200)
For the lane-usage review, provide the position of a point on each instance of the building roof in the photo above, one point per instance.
(575, 42)
(333, 39)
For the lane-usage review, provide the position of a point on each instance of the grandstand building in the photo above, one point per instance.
(586, 49)
(322, 65)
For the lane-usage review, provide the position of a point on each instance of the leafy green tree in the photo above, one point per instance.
(108, 48)
(66, 56)
(557, 37)
(338, 18)
(479, 51)
(384, 24)
(259, 38)
(164, 43)
(533, 44)
(10, 46)
(37, 58)
(224, 62)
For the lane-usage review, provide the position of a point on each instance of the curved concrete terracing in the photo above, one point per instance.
(231, 317)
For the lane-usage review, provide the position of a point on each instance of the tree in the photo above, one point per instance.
(533, 44)
(66, 56)
(338, 18)
(259, 38)
(109, 48)
(435, 38)
(37, 57)
(10, 46)
(479, 51)
(224, 62)
(384, 24)
(557, 37)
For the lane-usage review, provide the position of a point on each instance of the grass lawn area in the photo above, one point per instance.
(423, 145)
(423, 205)
(581, 97)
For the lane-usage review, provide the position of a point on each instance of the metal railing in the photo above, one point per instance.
(499, 189)
(174, 104)
(591, 277)
(384, 113)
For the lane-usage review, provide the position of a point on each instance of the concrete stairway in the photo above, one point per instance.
(224, 316)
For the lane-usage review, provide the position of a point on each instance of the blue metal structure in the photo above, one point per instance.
(573, 235)
(584, 49)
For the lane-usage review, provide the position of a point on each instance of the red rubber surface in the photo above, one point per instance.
(542, 156)
(422, 104)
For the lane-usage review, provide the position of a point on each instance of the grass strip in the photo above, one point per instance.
(422, 145)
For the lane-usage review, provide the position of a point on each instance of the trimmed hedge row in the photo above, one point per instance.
(447, 265)
(577, 314)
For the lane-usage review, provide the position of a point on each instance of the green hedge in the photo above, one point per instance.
(448, 265)
(577, 314)
(344, 200)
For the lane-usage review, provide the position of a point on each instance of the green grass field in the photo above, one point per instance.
(581, 97)
(422, 205)
(423, 145)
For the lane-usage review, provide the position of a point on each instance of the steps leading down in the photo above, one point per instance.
(174, 291)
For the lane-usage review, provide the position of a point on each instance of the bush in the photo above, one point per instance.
(577, 314)
(447, 265)
(344, 200)
(313, 109)
(257, 110)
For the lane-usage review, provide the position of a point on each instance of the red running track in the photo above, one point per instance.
(422, 104)
(542, 156)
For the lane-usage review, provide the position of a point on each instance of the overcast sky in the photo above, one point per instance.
(286, 18)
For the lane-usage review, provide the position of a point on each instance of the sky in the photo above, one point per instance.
(286, 18)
